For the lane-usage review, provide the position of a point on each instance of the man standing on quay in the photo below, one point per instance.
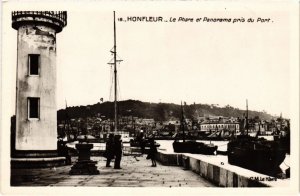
(118, 151)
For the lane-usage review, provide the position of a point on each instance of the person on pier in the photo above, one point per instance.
(152, 152)
(118, 151)
(63, 150)
(109, 150)
(141, 140)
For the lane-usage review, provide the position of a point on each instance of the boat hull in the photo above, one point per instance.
(194, 147)
(260, 156)
(134, 143)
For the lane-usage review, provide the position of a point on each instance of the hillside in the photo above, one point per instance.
(158, 111)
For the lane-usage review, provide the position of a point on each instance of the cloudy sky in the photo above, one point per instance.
(204, 62)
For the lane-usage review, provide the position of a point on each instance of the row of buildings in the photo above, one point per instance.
(99, 126)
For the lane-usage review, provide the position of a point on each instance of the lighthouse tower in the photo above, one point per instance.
(36, 112)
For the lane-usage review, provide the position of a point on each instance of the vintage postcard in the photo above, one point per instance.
(150, 97)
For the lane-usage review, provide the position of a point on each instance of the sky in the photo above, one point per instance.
(204, 62)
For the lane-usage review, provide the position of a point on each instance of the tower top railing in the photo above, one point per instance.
(58, 18)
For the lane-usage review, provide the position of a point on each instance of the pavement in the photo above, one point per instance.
(135, 172)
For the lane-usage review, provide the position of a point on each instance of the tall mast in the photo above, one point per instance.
(67, 121)
(114, 63)
(280, 121)
(115, 74)
(182, 123)
(247, 116)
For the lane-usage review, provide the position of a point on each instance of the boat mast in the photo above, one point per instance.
(247, 116)
(280, 121)
(182, 123)
(114, 63)
(66, 116)
(115, 75)
(67, 122)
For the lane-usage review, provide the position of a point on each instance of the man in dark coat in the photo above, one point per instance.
(63, 150)
(141, 140)
(152, 152)
(118, 151)
(109, 150)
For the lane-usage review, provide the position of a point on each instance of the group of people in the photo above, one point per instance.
(114, 150)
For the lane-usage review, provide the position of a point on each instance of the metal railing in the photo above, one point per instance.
(59, 15)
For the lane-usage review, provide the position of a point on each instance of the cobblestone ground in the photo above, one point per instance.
(135, 172)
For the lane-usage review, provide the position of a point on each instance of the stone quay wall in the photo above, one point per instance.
(220, 176)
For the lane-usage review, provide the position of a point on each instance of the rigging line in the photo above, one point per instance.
(119, 58)
(111, 61)
(111, 83)
(119, 88)
(112, 50)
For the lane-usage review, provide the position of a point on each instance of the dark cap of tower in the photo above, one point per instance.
(54, 19)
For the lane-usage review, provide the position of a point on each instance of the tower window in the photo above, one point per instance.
(33, 64)
(33, 107)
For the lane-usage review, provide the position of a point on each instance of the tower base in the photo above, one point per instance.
(37, 162)
(36, 159)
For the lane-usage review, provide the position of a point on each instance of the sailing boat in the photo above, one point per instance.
(192, 146)
(114, 62)
(68, 129)
(256, 154)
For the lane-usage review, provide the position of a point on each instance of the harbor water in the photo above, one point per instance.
(166, 146)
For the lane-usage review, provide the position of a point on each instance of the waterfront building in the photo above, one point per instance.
(218, 124)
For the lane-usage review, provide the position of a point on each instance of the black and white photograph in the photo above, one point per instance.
(150, 97)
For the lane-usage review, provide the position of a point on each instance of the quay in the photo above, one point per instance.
(216, 169)
(135, 172)
(173, 170)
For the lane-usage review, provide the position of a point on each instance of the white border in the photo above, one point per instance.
(292, 6)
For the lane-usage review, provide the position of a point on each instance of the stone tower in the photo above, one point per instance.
(36, 117)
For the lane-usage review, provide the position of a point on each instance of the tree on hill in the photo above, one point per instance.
(157, 111)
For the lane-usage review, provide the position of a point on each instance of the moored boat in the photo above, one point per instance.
(192, 146)
(257, 154)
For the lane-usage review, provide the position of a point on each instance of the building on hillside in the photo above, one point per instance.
(218, 124)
